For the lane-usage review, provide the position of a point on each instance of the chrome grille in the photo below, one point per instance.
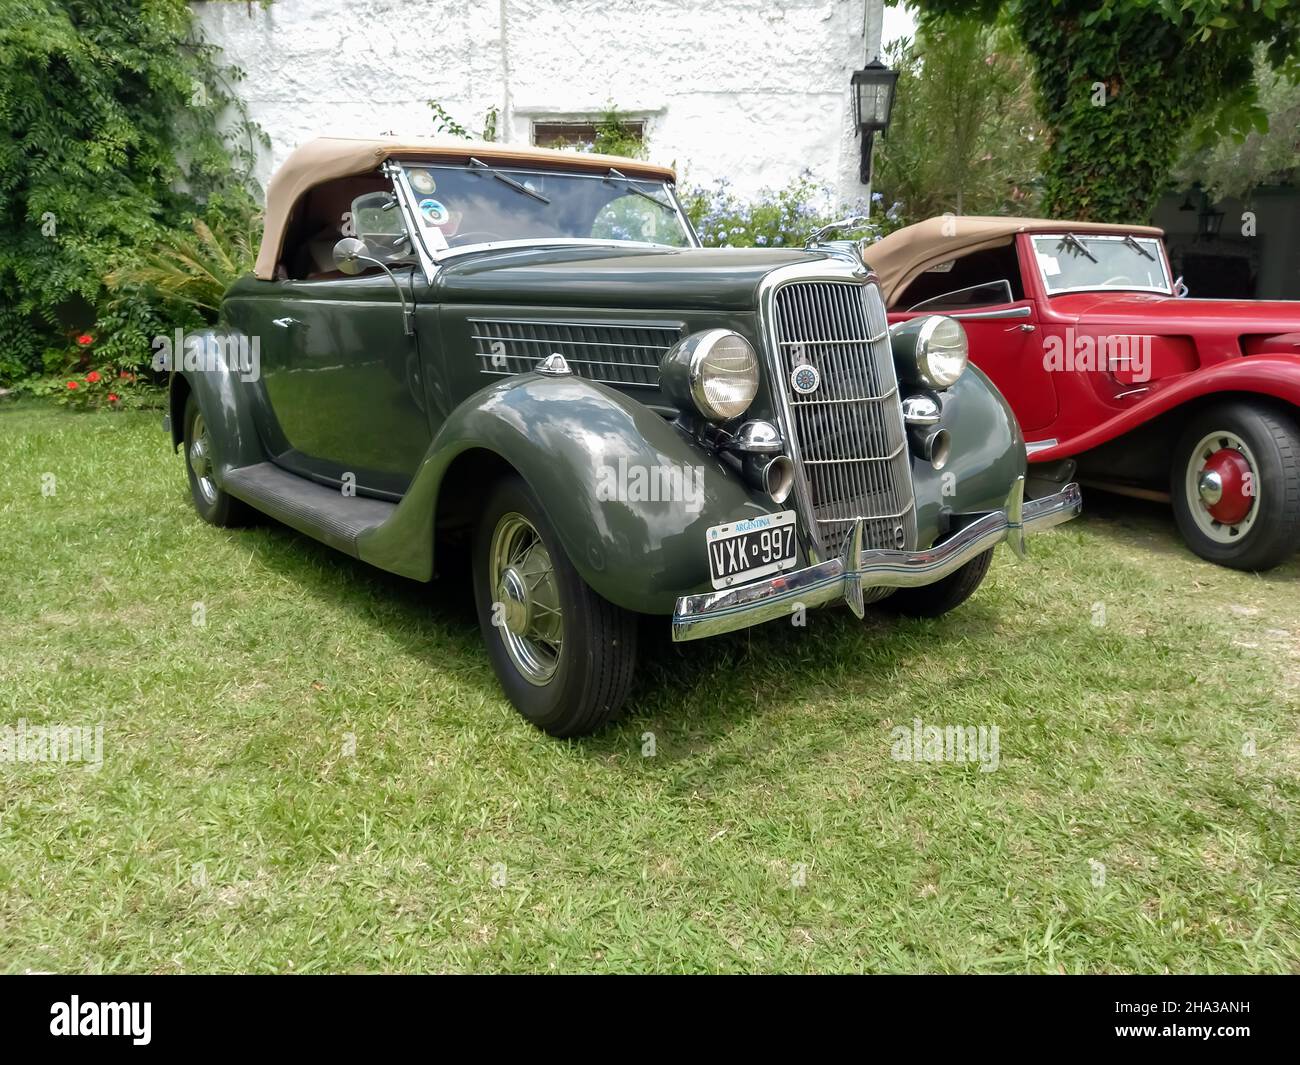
(849, 431)
(613, 353)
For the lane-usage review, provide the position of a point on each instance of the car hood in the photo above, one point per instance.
(1167, 314)
(587, 276)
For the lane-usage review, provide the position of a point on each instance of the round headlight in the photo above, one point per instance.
(716, 371)
(931, 351)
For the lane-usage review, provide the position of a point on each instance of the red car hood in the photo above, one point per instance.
(1166, 314)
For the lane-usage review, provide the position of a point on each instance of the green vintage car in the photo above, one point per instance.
(524, 358)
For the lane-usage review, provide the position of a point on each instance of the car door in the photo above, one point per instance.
(1001, 326)
(342, 391)
(343, 381)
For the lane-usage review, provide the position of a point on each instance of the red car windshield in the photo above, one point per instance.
(1072, 262)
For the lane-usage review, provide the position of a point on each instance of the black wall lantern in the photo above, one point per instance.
(1209, 221)
(873, 100)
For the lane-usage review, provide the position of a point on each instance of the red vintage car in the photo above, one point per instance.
(1115, 376)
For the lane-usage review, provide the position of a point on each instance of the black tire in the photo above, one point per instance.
(1273, 438)
(215, 506)
(596, 660)
(933, 600)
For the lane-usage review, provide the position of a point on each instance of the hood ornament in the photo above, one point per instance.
(554, 365)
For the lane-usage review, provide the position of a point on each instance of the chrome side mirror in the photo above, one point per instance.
(348, 254)
(1180, 289)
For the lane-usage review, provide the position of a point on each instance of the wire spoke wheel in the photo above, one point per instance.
(200, 459)
(564, 656)
(526, 609)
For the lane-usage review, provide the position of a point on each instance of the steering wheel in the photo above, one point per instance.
(1116, 280)
(474, 236)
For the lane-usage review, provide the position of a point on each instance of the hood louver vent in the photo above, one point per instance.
(625, 354)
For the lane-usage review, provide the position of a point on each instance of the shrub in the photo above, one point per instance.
(783, 218)
(109, 146)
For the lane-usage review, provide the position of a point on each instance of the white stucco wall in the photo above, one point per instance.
(752, 90)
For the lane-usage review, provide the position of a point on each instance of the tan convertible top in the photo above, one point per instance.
(906, 252)
(327, 158)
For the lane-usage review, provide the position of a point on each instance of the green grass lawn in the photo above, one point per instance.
(325, 776)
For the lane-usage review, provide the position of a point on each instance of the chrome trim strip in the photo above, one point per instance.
(971, 316)
(1040, 445)
(683, 216)
(840, 580)
(549, 242)
(831, 343)
(597, 380)
(1117, 289)
(405, 198)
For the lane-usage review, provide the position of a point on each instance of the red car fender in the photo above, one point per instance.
(1275, 376)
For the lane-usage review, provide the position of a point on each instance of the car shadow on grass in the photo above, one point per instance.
(435, 621)
(701, 691)
(1149, 525)
(698, 691)
(714, 679)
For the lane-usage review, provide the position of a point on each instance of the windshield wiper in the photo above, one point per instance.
(518, 186)
(1131, 241)
(640, 192)
(1070, 238)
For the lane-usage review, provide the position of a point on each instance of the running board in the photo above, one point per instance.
(323, 513)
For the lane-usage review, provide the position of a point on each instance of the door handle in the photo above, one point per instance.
(285, 323)
(1026, 327)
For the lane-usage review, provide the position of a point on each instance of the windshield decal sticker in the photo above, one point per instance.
(434, 212)
(423, 183)
(1049, 264)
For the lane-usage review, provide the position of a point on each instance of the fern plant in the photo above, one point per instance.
(192, 269)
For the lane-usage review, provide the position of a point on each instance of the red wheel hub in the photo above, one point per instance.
(1227, 486)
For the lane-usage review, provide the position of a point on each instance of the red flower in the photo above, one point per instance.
(85, 340)
(72, 384)
(126, 376)
(112, 398)
(92, 377)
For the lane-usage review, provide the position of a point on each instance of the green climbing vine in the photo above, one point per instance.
(1121, 83)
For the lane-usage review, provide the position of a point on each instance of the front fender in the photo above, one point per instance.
(987, 456)
(577, 443)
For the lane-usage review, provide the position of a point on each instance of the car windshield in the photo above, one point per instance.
(462, 205)
(1072, 261)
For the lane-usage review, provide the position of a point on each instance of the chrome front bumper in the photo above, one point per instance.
(844, 578)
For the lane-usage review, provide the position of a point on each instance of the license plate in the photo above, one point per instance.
(745, 550)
